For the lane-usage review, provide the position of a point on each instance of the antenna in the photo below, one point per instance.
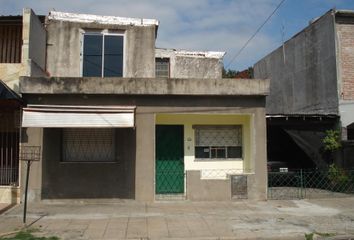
(283, 40)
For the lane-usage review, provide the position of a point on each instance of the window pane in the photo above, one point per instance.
(162, 67)
(218, 152)
(202, 152)
(234, 152)
(113, 56)
(88, 145)
(92, 59)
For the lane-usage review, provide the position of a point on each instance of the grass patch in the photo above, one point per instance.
(309, 236)
(27, 235)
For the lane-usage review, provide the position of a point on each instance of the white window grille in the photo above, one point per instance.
(88, 145)
(218, 142)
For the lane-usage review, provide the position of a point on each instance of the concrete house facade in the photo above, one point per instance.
(108, 127)
(311, 91)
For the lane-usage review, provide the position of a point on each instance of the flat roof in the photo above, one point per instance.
(89, 18)
(187, 53)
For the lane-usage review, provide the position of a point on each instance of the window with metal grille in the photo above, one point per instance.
(10, 39)
(103, 55)
(218, 142)
(162, 67)
(88, 145)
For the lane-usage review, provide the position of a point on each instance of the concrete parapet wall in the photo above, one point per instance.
(146, 86)
(34, 37)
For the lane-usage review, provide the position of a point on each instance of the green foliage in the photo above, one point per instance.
(337, 175)
(248, 73)
(228, 73)
(331, 141)
(27, 235)
(308, 236)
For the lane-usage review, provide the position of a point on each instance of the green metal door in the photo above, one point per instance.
(169, 159)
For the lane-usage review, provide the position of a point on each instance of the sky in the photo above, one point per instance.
(203, 25)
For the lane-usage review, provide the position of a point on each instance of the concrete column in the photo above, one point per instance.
(32, 137)
(145, 157)
(258, 182)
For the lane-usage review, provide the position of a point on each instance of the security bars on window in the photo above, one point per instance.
(218, 142)
(88, 145)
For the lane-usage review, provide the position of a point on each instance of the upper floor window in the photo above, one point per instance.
(102, 55)
(162, 67)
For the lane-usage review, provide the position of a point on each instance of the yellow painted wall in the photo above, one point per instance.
(188, 120)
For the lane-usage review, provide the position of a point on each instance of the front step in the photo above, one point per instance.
(170, 197)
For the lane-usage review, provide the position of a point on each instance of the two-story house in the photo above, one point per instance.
(110, 123)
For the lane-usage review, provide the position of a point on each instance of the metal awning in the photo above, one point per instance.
(60, 116)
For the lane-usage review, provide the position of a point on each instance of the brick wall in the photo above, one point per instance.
(346, 54)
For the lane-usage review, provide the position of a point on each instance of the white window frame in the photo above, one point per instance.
(104, 32)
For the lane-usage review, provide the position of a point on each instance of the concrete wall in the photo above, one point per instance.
(345, 52)
(9, 194)
(64, 48)
(146, 86)
(147, 107)
(207, 190)
(303, 72)
(88, 179)
(34, 45)
(191, 66)
(10, 74)
(32, 137)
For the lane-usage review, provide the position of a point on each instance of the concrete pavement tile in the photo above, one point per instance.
(177, 227)
(219, 227)
(9, 224)
(96, 229)
(137, 228)
(157, 227)
(198, 227)
(116, 228)
(76, 227)
(57, 224)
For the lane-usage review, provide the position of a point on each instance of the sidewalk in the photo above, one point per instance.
(5, 206)
(187, 220)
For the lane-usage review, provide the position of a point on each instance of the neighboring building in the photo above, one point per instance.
(22, 53)
(108, 128)
(311, 90)
(173, 63)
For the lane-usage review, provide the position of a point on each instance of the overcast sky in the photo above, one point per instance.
(216, 25)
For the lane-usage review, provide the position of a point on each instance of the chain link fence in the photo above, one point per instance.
(301, 184)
